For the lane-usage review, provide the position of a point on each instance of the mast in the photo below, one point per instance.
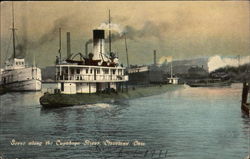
(126, 49)
(60, 44)
(238, 63)
(34, 60)
(171, 67)
(109, 33)
(13, 31)
(238, 60)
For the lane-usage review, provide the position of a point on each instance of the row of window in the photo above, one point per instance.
(105, 71)
(89, 77)
(94, 78)
(20, 63)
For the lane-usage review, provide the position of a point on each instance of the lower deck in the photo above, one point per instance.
(74, 88)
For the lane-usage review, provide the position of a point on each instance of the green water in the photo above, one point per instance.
(189, 123)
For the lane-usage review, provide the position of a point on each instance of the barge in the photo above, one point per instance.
(57, 100)
(209, 83)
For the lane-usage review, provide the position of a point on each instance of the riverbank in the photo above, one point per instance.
(63, 100)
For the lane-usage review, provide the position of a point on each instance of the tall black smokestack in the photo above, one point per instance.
(68, 45)
(155, 57)
(98, 43)
(98, 34)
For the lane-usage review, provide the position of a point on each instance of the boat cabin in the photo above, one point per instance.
(173, 80)
(15, 64)
(74, 79)
(93, 74)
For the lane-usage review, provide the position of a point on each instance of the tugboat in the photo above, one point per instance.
(17, 76)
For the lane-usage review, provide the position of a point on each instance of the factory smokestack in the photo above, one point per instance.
(98, 44)
(86, 49)
(155, 57)
(68, 45)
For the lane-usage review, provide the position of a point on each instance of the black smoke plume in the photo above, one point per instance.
(22, 43)
(52, 34)
(149, 29)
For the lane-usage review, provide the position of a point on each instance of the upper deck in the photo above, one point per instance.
(14, 64)
(88, 74)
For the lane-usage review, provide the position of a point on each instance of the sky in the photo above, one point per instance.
(181, 29)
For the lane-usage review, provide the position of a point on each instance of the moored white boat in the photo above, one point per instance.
(16, 75)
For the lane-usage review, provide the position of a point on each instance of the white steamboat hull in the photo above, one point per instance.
(28, 85)
(24, 79)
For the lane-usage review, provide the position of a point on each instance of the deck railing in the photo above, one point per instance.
(89, 78)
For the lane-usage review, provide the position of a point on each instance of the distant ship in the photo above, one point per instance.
(209, 83)
(16, 75)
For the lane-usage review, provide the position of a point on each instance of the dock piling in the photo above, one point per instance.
(244, 93)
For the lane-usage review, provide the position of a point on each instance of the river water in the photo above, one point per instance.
(189, 123)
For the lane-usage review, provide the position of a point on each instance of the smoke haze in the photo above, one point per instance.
(179, 29)
(217, 61)
(165, 59)
(52, 34)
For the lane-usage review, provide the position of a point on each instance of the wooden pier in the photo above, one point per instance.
(245, 106)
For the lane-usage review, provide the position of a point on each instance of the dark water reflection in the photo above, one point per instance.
(191, 123)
